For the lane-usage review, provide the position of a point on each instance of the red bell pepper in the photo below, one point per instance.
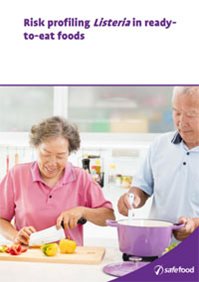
(16, 249)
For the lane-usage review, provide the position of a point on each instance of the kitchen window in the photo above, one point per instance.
(117, 109)
(21, 107)
(110, 109)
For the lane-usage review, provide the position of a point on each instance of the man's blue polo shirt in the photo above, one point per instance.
(170, 172)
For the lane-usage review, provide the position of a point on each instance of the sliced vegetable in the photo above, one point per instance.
(3, 248)
(50, 249)
(67, 246)
(171, 247)
(16, 249)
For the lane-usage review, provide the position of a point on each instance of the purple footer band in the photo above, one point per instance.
(180, 264)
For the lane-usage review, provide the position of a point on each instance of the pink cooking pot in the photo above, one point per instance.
(143, 237)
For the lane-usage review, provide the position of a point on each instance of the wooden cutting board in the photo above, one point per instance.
(82, 255)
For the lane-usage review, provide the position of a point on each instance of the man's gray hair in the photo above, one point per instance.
(185, 90)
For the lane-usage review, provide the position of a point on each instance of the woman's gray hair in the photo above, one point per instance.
(185, 90)
(55, 127)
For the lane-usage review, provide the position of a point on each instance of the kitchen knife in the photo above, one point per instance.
(48, 235)
(81, 221)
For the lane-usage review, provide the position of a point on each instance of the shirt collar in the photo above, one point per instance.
(177, 138)
(69, 175)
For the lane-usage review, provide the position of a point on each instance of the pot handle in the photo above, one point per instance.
(177, 226)
(112, 223)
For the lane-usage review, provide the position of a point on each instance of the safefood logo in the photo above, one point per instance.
(159, 269)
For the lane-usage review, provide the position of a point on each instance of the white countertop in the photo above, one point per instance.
(55, 272)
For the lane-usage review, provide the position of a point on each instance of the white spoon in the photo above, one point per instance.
(130, 211)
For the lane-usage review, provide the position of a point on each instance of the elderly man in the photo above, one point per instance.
(170, 169)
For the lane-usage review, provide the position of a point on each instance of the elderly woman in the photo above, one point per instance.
(50, 190)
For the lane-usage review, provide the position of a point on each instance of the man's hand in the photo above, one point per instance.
(186, 230)
(124, 205)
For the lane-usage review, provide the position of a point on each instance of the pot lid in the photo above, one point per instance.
(123, 268)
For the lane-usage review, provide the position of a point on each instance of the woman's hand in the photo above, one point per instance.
(70, 217)
(23, 235)
(186, 230)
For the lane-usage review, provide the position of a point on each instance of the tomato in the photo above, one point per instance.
(16, 249)
(24, 249)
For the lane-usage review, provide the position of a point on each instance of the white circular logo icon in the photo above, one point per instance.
(158, 269)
